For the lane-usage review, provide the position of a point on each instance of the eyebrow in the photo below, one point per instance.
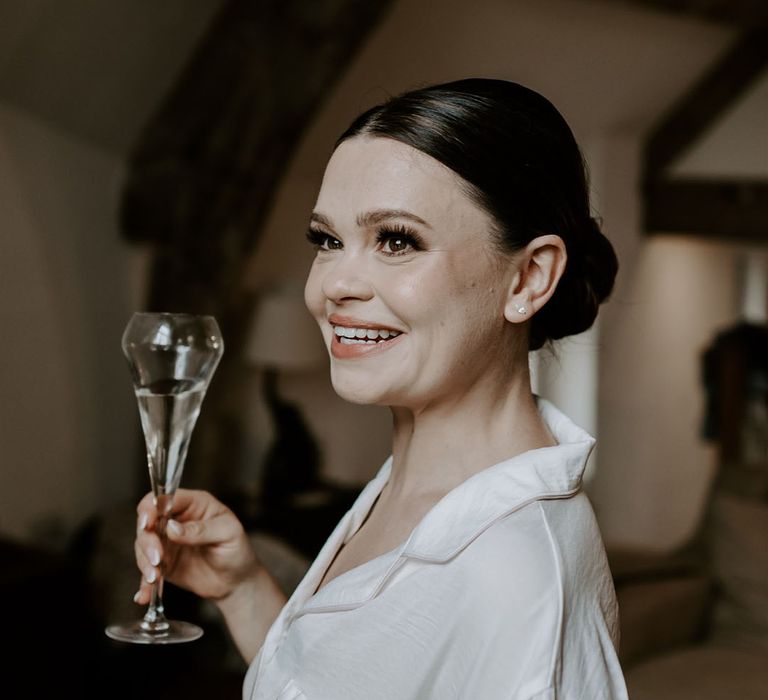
(371, 218)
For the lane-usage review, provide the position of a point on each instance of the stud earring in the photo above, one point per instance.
(521, 310)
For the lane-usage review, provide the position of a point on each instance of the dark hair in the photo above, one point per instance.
(522, 165)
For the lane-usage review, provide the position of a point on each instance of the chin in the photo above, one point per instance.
(356, 390)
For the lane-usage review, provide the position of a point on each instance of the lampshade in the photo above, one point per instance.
(283, 335)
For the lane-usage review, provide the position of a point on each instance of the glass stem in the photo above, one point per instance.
(154, 621)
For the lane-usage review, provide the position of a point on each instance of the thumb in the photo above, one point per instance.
(200, 532)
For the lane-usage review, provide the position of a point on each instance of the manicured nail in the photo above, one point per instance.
(137, 596)
(174, 528)
(151, 576)
(154, 556)
(143, 521)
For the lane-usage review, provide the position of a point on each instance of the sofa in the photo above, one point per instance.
(694, 623)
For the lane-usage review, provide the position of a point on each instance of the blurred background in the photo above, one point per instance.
(166, 156)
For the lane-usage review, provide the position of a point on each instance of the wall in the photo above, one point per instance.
(96, 69)
(723, 150)
(673, 294)
(679, 295)
(67, 419)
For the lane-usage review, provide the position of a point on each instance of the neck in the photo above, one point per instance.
(438, 446)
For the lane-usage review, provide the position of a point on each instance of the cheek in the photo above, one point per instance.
(313, 294)
(438, 280)
(451, 289)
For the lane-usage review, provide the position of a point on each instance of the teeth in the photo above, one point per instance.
(363, 335)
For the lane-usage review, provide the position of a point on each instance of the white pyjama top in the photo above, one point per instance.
(501, 591)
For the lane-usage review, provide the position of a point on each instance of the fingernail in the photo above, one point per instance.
(137, 596)
(143, 521)
(154, 556)
(150, 576)
(174, 528)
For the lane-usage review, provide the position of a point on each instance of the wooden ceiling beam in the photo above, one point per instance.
(744, 12)
(717, 90)
(732, 209)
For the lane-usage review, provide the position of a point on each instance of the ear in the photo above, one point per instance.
(539, 267)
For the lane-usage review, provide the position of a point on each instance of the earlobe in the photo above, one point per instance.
(517, 309)
(516, 312)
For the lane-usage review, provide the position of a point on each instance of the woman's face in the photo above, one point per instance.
(407, 285)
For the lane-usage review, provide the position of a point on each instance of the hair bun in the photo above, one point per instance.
(601, 263)
(586, 283)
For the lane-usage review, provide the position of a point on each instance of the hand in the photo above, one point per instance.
(206, 550)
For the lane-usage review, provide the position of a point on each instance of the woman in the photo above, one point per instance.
(453, 235)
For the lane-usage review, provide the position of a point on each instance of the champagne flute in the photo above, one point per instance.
(172, 357)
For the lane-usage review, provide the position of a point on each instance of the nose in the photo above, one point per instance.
(346, 280)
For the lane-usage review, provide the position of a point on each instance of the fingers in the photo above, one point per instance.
(149, 553)
(146, 512)
(148, 549)
(197, 519)
(144, 594)
(188, 504)
(217, 530)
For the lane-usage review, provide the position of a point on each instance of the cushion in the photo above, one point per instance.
(701, 673)
(658, 615)
(739, 550)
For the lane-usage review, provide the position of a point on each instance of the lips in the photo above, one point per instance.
(358, 338)
(367, 336)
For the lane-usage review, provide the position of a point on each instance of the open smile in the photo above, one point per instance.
(354, 338)
(365, 336)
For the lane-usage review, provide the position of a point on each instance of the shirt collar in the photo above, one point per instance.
(470, 508)
(456, 520)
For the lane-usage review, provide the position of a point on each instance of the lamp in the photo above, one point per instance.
(284, 338)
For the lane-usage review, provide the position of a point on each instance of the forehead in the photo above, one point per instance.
(366, 173)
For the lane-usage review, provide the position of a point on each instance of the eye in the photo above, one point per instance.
(398, 240)
(323, 241)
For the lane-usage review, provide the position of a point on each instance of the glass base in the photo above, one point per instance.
(176, 632)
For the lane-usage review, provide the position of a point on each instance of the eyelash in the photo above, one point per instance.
(318, 238)
(405, 234)
(408, 236)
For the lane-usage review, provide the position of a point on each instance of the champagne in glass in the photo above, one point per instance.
(172, 359)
